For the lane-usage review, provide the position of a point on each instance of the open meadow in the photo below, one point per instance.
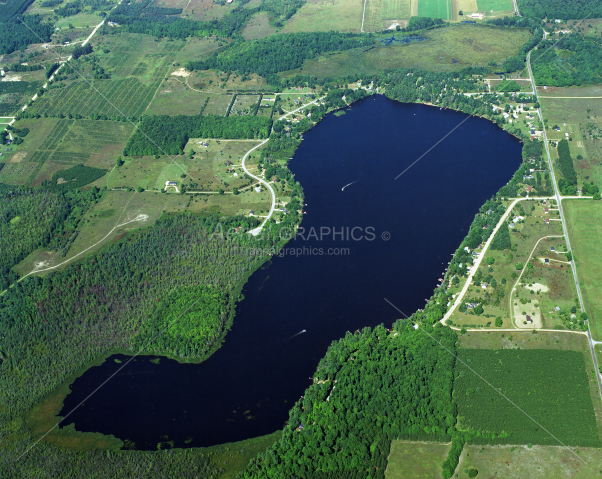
(584, 223)
(518, 462)
(327, 15)
(446, 49)
(416, 460)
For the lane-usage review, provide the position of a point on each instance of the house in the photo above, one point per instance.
(546, 210)
(251, 212)
(529, 188)
(546, 220)
(556, 308)
(484, 285)
(529, 320)
(546, 261)
(552, 248)
(258, 189)
(170, 183)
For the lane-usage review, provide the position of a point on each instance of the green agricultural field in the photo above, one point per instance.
(244, 105)
(550, 462)
(435, 9)
(416, 460)
(495, 5)
(551, 386)
(584, 222)
(446, 49)
(327, 15)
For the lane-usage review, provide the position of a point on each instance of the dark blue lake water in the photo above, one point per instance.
(247, 388)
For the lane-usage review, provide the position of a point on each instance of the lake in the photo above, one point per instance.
(392, 239)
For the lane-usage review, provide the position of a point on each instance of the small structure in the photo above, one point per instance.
(556, 308)
(552, 248)
(546, 210)
(529, 320)
(251, 212)
(170, 183)
(546, 220)
(529, 188)
(547, 261)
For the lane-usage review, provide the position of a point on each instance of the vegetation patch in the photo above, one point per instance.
(74, 177)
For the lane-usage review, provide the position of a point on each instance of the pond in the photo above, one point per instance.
(368, 234)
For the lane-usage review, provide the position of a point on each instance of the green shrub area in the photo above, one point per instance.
(371, 387)
(551, 386)
(73, 177)
(567, 184)
(279, 53)
(562, 9)
(570, 60)
(159, 135)
(186, 323)
(508, 85)
(12, 8)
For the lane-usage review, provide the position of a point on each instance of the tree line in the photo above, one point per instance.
(159, 135)
(278, 53)
(568, 183)
(560, 9)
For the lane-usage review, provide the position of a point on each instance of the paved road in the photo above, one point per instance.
(564, 228)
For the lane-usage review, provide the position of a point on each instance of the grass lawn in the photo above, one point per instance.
(463, 44)
(435, 9)
(584, 223)
(524, 340)
(551, 386)
(83, 19)
(416, 460)
(519, 462)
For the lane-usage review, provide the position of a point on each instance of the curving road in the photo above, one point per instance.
(256, 231)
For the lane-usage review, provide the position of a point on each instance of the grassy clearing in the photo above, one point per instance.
(551, 386)
(244, 104)
(81, 20)
(435, 9)
(416, 460)
(327, 15)
(550, 462)
(211, 81)
(446, 49)
(218, 105)
(175, 98)
(258, 27)
(584, 223)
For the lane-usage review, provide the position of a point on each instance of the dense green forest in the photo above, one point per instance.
(159, 135)
(572, 60)
(187, 323)
(73, 177)
(10, 8)
(370, 388)
(30, 219)
(16, 36)
(278, 53)
(555, 392)
(560, 9)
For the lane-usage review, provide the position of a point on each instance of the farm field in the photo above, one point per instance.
(211, 81)
(416, 460)
(327, 15)
(584, 224)
(518, 462)
(218, 105)
(524, 340)
(495, 6)
(551, 386)
(382, 14)
(446, 49)
(435, 9)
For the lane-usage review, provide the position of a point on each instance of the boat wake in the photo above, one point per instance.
(349, 184)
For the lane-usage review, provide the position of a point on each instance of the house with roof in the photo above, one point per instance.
(546, 220)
